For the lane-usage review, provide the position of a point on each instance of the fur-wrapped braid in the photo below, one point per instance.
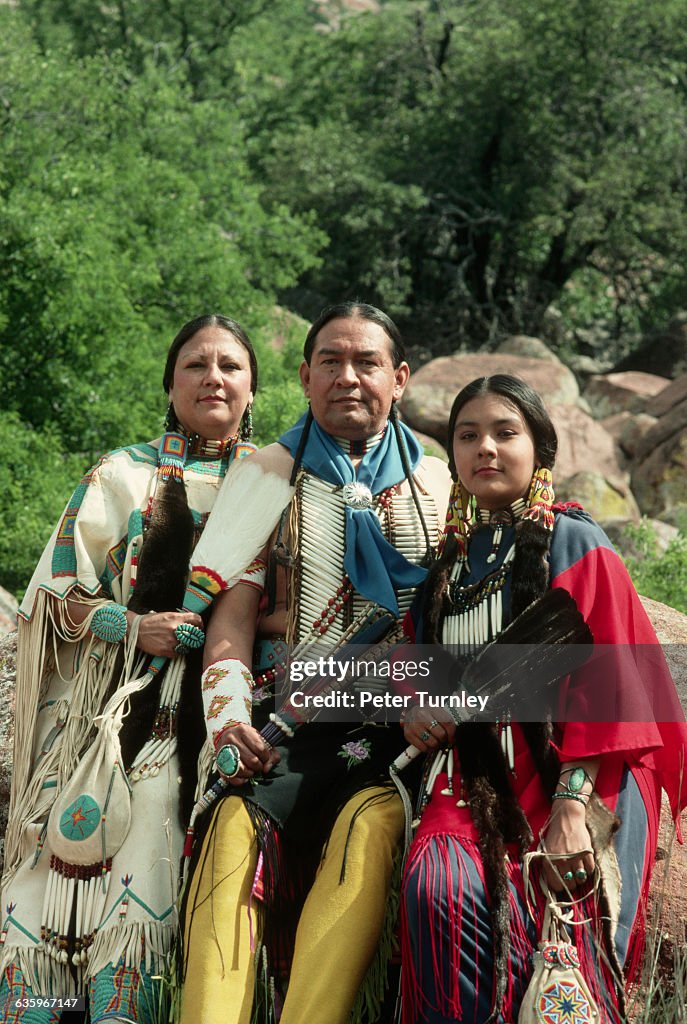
(162, 571)
(530, 565)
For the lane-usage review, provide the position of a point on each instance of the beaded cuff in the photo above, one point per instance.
(227, 687)
(108, 623)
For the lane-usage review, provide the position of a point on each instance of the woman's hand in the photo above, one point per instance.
(257, 756)
(156, 631)
(428, 728)
(568, 834)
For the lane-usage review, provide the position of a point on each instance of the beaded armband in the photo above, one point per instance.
(108, 623)
(227, 687)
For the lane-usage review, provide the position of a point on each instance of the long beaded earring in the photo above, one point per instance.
(247, 423)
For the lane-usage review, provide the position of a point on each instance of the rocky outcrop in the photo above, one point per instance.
(8, 611)
(616, 528)
(430, 393)
(525, 345)
(676, 516)
(671, 630)
(659, 476)
(431, 446)
(583, 444)
(663, 353)
(673, 395)
(626, 432)
(610, 393)
(8, 651)
(600, 498)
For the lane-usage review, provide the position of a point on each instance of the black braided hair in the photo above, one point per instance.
(301, 447)
(393, 417)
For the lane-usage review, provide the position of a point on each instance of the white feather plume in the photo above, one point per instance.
(243, 517)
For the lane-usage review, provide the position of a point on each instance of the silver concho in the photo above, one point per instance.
(357, 496)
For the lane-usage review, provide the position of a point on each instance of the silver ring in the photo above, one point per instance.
(424, 736)
(581, 875)
(433, 723)
(568, 876)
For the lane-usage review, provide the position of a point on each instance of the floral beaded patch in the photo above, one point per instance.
(355, 752)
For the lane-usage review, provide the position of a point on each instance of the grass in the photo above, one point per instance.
(661, 996)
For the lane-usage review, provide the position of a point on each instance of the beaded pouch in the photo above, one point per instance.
(557, 991)
(88, 823)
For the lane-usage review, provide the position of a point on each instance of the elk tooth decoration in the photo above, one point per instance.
(474, 613)
(321, 541)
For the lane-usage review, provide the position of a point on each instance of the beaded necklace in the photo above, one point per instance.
(356, 449)
(206, 448)
(474, 613)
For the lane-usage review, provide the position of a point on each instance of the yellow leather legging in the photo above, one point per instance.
(339, 927)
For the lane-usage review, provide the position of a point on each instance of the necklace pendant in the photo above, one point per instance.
(357, 496)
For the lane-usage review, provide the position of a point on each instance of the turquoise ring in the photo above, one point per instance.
(568, 876)
(189, 638)
(228, 760)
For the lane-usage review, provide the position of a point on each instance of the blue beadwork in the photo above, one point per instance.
(190, 637)
(81, 818)
(109, 623)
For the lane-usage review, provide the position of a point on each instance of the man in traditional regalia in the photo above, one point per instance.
(296, 863)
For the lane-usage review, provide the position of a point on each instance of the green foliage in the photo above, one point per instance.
(126, 209)
(469, 161)
(280, 400)
(192, 36)
(466, 164)
(36, 480)
(662, 577)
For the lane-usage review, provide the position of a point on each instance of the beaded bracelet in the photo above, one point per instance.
(565, 794)
(108, 623)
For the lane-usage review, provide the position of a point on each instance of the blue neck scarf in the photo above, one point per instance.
(375, 568)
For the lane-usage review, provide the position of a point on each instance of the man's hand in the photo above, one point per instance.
(257, 756)
(156, 631)
(428, 728)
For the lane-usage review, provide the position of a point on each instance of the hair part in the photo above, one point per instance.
(524, 398)
(197, 324)
(362, 311)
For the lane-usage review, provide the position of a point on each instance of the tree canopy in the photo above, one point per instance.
(474, 163)
(475, 167)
